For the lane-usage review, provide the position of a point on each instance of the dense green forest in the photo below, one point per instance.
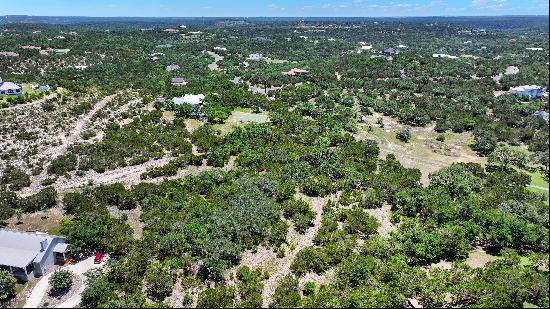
(305, 208)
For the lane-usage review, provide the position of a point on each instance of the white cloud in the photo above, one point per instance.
(490, 4)
(276, 8)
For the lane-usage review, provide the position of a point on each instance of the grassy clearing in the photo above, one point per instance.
(479, 258)
(423, 151)
(168, 116)
(241, 117)
(538, 180)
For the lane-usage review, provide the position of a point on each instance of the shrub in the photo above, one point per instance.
(404, 135)
(115, 195)
(310, 259)
(63, 164)
(219, 297)
(15, 178)
(286, 294)
(358, 221)
(44, 199)
(158, 281)
(300, 213)
(60, 282)
(317, 186)
(7, 286)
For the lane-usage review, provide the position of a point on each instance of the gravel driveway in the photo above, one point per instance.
(79, 269)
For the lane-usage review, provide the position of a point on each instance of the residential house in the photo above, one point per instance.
(9, 54)
(172, 67)
(531, 91)
(30, 254)
(31, 47)
(391, 51)
(40, 87)
(255, 57)
(178, 81)
(260, 39)
(296, 72)
(542, 114)
(191, 99)
(9, 88)
(444, 56)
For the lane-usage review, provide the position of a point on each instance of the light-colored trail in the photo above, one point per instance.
(66, 141)
(301, 241)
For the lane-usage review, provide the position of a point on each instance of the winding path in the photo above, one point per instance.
(66, 141)
(301, 241)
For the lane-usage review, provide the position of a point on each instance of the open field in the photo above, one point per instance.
(423, 151)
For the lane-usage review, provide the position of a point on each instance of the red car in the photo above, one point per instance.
(98, 256)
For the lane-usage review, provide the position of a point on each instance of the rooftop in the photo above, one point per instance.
(526, 88)
(8, 86)
(19, 249)
(191, 99)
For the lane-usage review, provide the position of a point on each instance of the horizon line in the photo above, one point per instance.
(259, 16)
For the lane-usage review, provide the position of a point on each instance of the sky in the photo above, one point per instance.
(272, 8)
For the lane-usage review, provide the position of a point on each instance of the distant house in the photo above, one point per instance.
(61, 51)
(366, 47)
(178, 81)
(26, 255)
(541, 114)
(255, 57)
(40, 87)
(534, 48)
(531, 91)
(444, 56)
(221, 49)
(9, 88)
(191, 99)
(391, 51)
(296, 72)
(31, 47)
(172, 67)
(9, 54)
(401, 46)
(170, 30)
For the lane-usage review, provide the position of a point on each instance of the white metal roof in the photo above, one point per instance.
(61, 248)
(526, 87)
(8, 86)
(192, 99)
(19, 249)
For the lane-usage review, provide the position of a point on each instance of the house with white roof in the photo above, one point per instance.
(9, 88)
(531, 91)
(255, 57)
(444, 56)
(30, 254)
(191, 99)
